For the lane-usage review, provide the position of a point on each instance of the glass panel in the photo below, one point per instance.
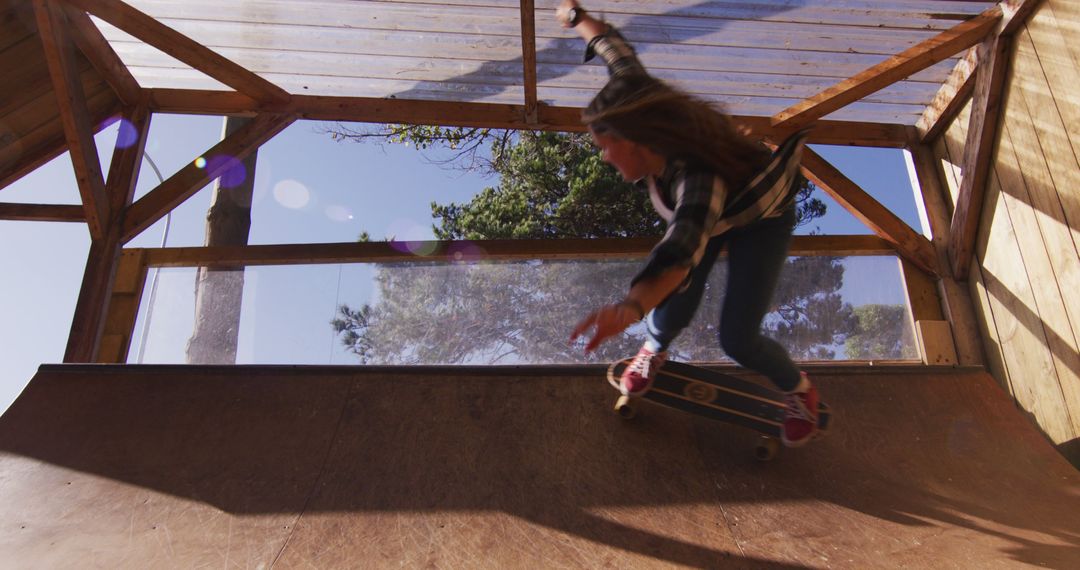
(496, 313)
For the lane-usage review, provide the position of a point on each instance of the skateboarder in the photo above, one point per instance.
(714, 187)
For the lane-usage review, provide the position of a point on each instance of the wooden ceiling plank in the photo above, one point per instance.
(528, 59)
(183, 48)
(46, 141)
(950, 98)
(16, 24)
(911, 245)
(102, 56)
(42, 212)
(978, 152)
(78, 131)
(896, 68)
(193, 177)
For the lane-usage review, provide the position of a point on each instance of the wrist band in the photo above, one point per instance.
(575, 15)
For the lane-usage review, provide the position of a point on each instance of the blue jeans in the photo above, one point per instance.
(756, 255)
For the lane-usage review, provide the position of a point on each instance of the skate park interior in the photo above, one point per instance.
(963, 454)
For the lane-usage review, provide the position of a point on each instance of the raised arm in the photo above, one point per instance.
(571, 15)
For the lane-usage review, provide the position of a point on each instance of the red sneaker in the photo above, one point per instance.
(801, 416)
(639, 375)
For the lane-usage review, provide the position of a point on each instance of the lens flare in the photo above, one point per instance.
(200, 162)
(291, 194)
(127, 135)
(421, 248)
(410, 237)
(229, 169)
(465, 252)
(339, 213)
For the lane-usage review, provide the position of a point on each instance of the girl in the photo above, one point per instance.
(714, 187)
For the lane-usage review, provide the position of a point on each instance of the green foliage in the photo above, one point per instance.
(551, 185)
(880, 333)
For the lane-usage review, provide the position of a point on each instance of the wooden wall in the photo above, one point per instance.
(1025, 279)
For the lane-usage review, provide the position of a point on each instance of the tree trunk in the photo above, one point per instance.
(219, 291)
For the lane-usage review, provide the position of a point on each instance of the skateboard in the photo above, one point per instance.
(716, 396)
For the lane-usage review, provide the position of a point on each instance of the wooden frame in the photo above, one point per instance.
(183, 48)
(119, 323)
(113, 219)
(494, 250)
(192, 178)
(917, 58)
(994, 53)
(75, 116)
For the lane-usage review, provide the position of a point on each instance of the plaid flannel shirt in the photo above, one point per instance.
(696, 203)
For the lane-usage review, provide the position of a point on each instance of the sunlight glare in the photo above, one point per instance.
(292, 194)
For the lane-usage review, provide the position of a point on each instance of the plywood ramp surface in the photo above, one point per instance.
(312, 467)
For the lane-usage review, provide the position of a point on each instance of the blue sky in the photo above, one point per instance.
(308, 189)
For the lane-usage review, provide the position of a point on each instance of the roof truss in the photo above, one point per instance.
(275, 108)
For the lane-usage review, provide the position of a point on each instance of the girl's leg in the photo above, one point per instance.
(756, 255)
(667, 320)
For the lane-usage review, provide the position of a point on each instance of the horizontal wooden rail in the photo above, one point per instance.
(483, 250)
(43, 212)
(474, 114)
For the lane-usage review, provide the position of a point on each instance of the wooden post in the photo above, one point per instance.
(955, 299)
(933, 334)
(123, 308)
(88, 323)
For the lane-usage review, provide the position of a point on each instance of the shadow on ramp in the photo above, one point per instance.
(131, 466)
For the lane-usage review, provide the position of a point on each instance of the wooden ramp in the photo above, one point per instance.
(333, 467)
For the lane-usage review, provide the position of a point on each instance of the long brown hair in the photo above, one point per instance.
(676, 125)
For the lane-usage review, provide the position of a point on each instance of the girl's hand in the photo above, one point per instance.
(608, 321)
(562, 13)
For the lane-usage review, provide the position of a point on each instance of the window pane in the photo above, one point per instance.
(826, 308)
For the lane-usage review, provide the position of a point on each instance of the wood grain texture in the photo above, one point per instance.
(443, 467)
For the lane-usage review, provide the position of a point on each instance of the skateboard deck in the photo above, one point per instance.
(716, 396)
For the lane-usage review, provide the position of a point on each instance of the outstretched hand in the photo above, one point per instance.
(607, 321)
(562, 11)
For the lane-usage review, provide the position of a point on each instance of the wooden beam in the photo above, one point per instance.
(955, 297)
(492, 115)
(896, 68)
(47, 142)
(978, 151)
(487, 250)
(952, 97)
(93, 306)
(88, 320)
(183, 48)
(909, 244)
(102, 56)
(528, 60)
(193, 177)
(960, 84)
(43, 212)
(123, 308)
(127, 158)
(1014, 14)
(71, 101)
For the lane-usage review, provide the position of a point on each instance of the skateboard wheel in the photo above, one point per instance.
(624, 408)
(766, 448)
